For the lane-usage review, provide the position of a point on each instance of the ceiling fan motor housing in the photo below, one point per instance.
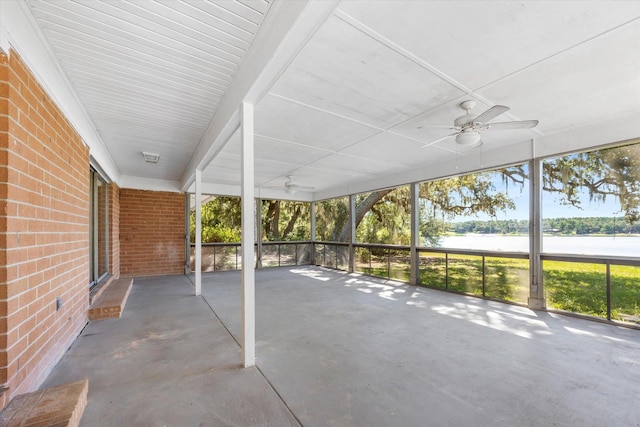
(464, 120)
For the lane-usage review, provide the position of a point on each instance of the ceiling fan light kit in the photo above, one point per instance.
(469, 127)
(469, 139)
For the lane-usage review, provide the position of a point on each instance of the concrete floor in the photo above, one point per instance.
(346, 350)
(168, 361)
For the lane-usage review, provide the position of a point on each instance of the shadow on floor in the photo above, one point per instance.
(347, 350)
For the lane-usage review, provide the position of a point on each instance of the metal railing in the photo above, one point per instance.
(503, 276)
(280, 254)
(390, 261)
(227, 256)
(609, 295)
(609, 286)
(498, 275)
(332, 255)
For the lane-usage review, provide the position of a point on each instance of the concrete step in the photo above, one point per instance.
(110, 303)
(60, 406)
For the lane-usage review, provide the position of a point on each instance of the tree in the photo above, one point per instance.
(221, 220)
(384, 216)
(462, 195)
(332, 216)
(611, 172)
(388, 220)
(285, 220)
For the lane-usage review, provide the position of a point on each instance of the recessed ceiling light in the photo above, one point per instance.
(151, 157)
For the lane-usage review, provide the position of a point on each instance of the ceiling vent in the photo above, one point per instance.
(151, 157)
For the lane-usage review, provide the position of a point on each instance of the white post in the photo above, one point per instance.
(313, 234)
(415, 233)
(198, 236)
(248, 238)
(352, 234)
(259, 233)
(536, 289)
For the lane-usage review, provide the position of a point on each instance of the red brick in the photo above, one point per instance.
(45, 179)
(149, 243)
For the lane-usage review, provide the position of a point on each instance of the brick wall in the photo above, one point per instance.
(152, 233)
(44, 230)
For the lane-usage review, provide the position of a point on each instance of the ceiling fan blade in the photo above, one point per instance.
(429, 144)
(524, 124)
(303, 188)
(491, 113)
(427, 126)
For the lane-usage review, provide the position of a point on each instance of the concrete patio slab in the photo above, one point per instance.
(346, 350)
(167, 361)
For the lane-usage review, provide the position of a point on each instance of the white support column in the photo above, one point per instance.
(352, 233)
(313, 234)
(198, 208)
(259, 233)
(536, 290)
(415, 233)
(248, 238)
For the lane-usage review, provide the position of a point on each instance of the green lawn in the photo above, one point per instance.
(581, 288)
(575, 287)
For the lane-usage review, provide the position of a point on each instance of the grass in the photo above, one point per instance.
(581, 288)
(505, 278)
(575, 287)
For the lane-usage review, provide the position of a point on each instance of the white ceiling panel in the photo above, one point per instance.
(402, 152)
(322, 179)
(478, 42)
(364, 88)
(133, 27)
(231, 13)
(345, 71)
(224, 169)
(133, 46)
(289, 121)
(229, 161)
(150, 74)
(604, 81)
(268, 170)
(356, 164)
(284, 151)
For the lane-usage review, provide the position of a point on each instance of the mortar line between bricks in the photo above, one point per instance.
(284, 402)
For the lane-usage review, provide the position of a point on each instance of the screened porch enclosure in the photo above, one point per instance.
(588, 264)
(468, 163)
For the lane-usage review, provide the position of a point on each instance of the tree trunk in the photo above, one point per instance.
(361, 210)
(275, 220)
(269, 218)
(292, 222)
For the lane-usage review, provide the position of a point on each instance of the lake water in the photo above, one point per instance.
(626, 246)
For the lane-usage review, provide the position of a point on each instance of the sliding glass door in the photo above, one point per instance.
(99, 221)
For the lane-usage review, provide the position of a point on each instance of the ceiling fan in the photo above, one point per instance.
(292, 188)
(469, 127)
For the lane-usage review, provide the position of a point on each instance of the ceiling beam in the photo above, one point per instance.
(285, 30)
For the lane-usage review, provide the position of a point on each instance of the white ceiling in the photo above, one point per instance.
(370, 84)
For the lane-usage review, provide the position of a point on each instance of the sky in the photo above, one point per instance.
(551, 206)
